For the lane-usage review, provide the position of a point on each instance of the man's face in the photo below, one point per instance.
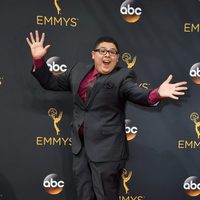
(105, 61)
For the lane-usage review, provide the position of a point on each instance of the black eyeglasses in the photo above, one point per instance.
(104, 51)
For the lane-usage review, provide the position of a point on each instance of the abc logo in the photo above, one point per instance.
(131, 131)
(195, 73)
(130, 11)
(191, 186)
(52, 184)
(55, 67)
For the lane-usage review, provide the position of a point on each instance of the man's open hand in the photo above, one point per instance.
(172, 90)
(36, 45)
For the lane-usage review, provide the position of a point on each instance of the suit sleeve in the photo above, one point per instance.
(132, 92)
(51, 82)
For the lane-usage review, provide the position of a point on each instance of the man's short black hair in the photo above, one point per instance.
(106, 39)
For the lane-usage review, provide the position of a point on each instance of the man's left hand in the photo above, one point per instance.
(172, 90)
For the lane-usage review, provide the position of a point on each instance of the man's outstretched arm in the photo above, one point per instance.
(138, 95)
(40, 69)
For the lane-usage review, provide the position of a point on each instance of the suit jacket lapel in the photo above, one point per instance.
(97, 86)
(80, 76)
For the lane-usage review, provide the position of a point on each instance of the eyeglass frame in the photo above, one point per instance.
(106, 51)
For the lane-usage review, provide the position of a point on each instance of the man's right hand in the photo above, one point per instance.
(36, 45)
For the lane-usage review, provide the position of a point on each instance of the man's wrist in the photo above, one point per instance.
(154, 97)
(37, 63)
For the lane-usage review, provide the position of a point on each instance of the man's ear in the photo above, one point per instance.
(92, 54)
(118, 57)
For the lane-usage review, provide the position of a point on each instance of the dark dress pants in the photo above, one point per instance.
(96, 180)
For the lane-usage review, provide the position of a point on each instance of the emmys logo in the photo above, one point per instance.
(57, 6)
(52, 184)
(131, 131)
(130, 10)
(144, 85)
(194, 117)
(55, 65)
(183, 144)
(126, 57)
(126, 177)
(195, 73)
(192, 186)
(1, 81)
(190, 27)
(53, 113)
(43, 20)
(58, 140)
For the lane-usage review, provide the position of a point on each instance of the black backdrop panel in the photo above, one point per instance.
(165, 40)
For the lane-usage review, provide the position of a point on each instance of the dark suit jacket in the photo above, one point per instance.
(103, 113)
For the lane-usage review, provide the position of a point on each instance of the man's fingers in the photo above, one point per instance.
(46, 47)
(32, 38)
(179, 93)
(174, 97)
(169, 78)
(37, 36)
(42, 38)
(28, 41)
(180, 83)
(180, 88)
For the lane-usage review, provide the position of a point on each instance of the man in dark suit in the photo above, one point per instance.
(100, 92)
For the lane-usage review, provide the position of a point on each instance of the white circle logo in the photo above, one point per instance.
(195, 73)
(131, 11)
(52, 184)
(56, 66)
(192, 186)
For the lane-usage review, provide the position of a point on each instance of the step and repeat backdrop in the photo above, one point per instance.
(156, 38)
